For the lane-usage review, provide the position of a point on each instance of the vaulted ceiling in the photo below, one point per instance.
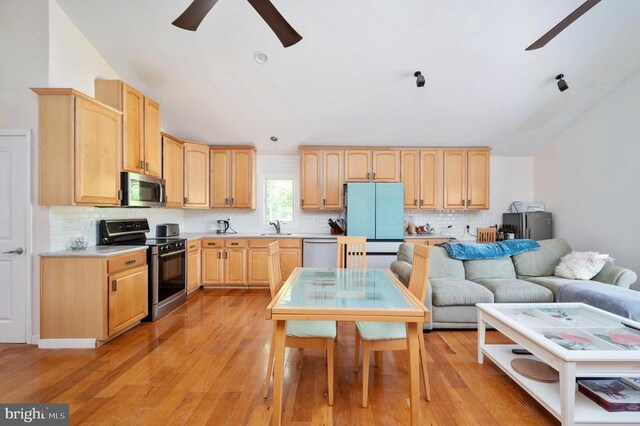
(350, 80)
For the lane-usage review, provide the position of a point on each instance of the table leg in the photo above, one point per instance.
(414, 371)
(482, 327)
(567, 393)
(278, 372)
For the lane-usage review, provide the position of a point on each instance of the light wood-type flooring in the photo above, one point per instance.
(205, 364)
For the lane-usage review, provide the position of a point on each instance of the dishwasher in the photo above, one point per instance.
(319, 252)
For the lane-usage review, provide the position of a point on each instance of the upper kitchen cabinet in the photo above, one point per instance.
(410, 177)
(233, 177)
(79, 150)
(386, 166)
(332, 179)
(466, 179)
(378, 165)
(141, 142)
(310, 178)
(173, 170)
(421, 172)
(322, 178)
(357, 165)
(196, 175)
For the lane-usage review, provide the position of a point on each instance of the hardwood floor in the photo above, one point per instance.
(206, 362)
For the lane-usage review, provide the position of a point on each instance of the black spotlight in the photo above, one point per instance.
(562, 85)
(419, 79)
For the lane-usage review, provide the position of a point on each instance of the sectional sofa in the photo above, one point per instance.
(455, 286)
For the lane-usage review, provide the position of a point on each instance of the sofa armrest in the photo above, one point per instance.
(429, 305)
(403, 270)
(616, 275)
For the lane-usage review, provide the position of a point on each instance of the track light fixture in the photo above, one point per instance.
(562, 85)
(419, 79)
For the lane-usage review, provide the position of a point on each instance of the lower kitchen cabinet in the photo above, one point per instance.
(235, 268)
(212, 264)
(92, 297)
(193, 266)
(290, 258)
(427, 241)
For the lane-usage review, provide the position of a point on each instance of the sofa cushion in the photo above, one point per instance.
(455, 316)
(541, 263)
(553, 283)
(442, 266)
(451, 292)
(491, 268)
(511, 290)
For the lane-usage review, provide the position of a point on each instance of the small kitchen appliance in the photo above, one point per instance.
(167, 230)
(223, 226)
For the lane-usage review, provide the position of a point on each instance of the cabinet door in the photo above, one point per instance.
(196, 175)
(128, 298)
(152, 144)
(410, 177)
(431, 190)
(290, 258)
(133, 122)
(235, 271)
(212, 266)
(193, 274)
(332, 179)
(242, 179)
(258, 260)
(310, 163)
(220, 174)
(478, 179)
(455, 179)
(386, 166)
(357, 165)
(98, 137)
(173, 171)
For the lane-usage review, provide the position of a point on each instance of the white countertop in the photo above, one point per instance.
(96, 251)
(428, 236)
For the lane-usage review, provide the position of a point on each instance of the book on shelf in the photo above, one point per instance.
(612, 394)
(632, 381)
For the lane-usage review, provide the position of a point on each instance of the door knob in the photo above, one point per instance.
(19, 250)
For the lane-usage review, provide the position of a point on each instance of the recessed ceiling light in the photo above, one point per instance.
(260, 57)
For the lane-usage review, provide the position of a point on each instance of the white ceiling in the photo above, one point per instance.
(350, 80)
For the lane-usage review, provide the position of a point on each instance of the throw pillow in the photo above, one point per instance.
(581, 265)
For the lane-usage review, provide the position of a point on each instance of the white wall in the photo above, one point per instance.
(589, 174)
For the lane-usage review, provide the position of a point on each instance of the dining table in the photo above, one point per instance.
(332, 294)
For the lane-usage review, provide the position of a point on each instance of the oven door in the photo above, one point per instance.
(169, 276)
(142, 191)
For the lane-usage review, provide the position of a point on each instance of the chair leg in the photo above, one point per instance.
(357, 352)
(330, 373)
(265, 389)
(366, 355)
(423, 363)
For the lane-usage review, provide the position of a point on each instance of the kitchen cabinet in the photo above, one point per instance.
(477, 179)
(410, 177)
(141, 141)
(233, 177)
(212, 261)
(332, 179)
(193, 265)
(386, 166)
(421, 174)
(426, 241)
(322, 179)
(466, 179)
(378, 165)
(92, 297)
(173, 170)
(310, 178)
(235, 262)
(257, 260)
(196, 175)
(79, 150)
(224, 261)
(357, 165)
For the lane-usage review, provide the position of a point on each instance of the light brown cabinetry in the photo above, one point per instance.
(141, 142)
(196, 175)
(477, 179)
(378, 165)
(357, 165)
(427, 241)
(173, 170)
(290, 258)
(212, 262)
(466, 179)
(193, 265)
(385, 166)
(410, 177)
(332, 179)
(233, 177)
(92, 297)
(310, 178)
(322, 178)
(79, 150)
(421, 172)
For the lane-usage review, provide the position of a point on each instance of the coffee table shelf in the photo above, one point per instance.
(587, 412)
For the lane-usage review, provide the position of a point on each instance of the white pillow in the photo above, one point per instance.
(581, 265)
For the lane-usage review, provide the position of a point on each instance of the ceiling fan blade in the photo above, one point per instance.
(550, 35)
(194, 14)
(285, 32)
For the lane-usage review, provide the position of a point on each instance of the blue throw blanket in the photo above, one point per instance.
(610, 298)
(476, 251)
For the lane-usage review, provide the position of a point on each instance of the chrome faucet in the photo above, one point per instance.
(276, 224)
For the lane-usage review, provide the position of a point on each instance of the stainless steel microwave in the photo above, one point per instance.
(142, 190)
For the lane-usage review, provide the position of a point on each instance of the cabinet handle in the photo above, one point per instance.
(415, 201)
(141, 164)
(368, 175)
(233, 201)
(374, 176)
(324, 201)
(469, 202)
(193, 246)
(421, 202)
(226, 201)
(147, 168)
(219, 255)
(226, 255)
(130, 262)
(462, 203)
(211, 244)
(234, 244)
(302, 202)
(186, 200)
(114, 285)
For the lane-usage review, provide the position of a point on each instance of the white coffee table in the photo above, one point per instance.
(528, 323)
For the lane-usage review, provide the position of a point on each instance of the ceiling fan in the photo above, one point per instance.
(553, 32)
(198, 9)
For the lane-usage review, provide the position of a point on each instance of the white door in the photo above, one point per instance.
(14, 196)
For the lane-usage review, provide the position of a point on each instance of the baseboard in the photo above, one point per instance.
(67, 343)
(35, 339)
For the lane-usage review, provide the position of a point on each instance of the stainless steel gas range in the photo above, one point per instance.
(166, 258)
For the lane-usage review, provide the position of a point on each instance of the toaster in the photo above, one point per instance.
(167, 230)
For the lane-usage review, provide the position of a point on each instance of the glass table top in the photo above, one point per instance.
(576, 328)
(344, 288)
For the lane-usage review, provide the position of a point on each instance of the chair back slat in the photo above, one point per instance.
(420, 272)
(352, 253)
(273, 266)
(486, 235)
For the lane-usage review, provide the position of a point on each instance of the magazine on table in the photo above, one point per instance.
(612, 394)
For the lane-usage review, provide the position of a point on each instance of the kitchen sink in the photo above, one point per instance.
(274, 234)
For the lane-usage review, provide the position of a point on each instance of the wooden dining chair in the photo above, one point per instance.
(390, 336)
(486, 235)
(299, 334)
(352, 253)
